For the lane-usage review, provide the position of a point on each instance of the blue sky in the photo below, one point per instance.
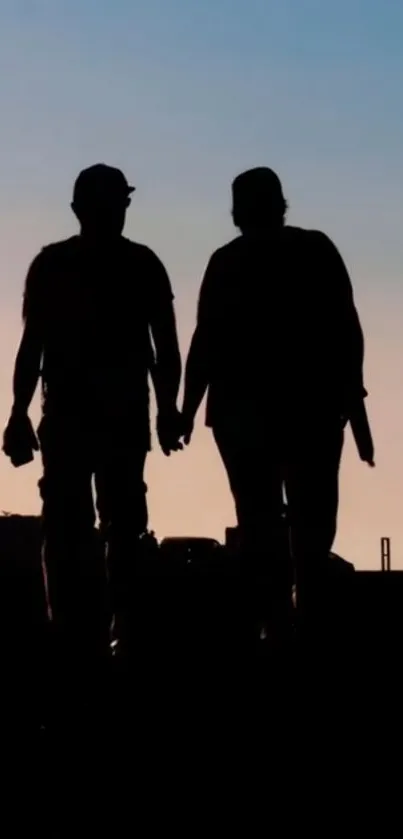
(183, 95)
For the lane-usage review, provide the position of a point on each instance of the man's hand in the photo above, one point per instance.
(362, 432)
(169, 431)
(19, 439)
(187, 428)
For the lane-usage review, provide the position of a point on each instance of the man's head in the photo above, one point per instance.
(258, 202)
(100, 199)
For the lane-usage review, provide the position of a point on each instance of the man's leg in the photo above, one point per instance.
(312, 487)
(122, 508)
(75, 574)
(256, 484)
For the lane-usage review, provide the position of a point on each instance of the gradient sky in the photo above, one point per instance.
(184, 94)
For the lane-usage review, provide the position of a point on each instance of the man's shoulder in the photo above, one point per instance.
(291, 234)
(50, 260)
(139, 251)
(316, 245)
(152, 277)
(56, 251)
(320, 238)
(227, 251)
(310, 236)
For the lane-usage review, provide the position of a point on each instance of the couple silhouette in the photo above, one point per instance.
(278, 349)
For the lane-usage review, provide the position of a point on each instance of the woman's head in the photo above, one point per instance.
(257, 200)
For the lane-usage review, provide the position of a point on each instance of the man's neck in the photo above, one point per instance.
(266, 231)
(97, 239)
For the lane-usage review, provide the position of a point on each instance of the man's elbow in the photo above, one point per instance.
(197, 361)
(168, 361)
(30, 349)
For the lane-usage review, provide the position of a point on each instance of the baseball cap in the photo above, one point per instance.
(257, 186)
(101, 180)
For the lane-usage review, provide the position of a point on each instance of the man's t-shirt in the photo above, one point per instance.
(279, 327)
(95, 308)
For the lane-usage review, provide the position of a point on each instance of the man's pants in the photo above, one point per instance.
(304, 461)
(73, 552)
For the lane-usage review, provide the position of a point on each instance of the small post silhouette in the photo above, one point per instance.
(385, 554)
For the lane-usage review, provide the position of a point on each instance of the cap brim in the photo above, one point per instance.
(131, 189)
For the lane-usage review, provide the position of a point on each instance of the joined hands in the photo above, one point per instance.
(174, 431)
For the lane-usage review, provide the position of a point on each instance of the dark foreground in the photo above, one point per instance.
(202, 724)
(193, 654)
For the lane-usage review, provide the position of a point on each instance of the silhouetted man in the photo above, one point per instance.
(279, 347)
(97, 308)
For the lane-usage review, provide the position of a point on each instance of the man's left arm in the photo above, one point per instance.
(197, 372)
(19, 440)
(352, 340)
(347, 321)
(167, 367)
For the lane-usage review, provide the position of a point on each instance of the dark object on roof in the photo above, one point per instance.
(338, 565)
(192, 546)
